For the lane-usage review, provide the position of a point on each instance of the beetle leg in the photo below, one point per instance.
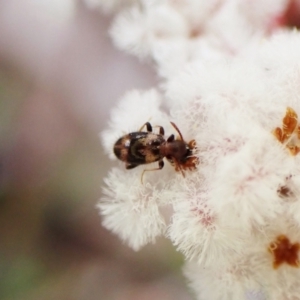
(171, 138)
(161, 130)
(148, 126)
(178, 167)
(160, 166)
(129, 166)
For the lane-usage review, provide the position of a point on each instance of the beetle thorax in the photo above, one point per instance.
(176, 149)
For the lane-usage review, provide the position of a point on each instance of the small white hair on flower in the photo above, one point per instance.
(130, 209)
(124, 118)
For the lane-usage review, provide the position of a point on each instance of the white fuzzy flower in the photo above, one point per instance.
(131, 209)
(235, 217)
(221, 282)
(175, 33)
(196, 228)
(142, 31)
(251, 276)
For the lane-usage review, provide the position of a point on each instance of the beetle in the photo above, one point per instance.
(144, 147)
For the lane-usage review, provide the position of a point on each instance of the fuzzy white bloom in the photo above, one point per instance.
(132, 210)
(236, 217)
(251, 275)
(174, 33)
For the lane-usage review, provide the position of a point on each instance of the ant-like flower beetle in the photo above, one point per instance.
(144, 147)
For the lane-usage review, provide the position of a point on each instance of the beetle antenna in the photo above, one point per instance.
(176, 128)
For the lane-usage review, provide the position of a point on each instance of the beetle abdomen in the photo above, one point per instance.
(139, 148)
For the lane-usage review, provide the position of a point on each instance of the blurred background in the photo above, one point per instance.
(59, 78)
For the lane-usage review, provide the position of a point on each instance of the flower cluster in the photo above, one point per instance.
(174, 33)
(234, 89)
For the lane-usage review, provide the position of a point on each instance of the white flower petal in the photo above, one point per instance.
(131, 209)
